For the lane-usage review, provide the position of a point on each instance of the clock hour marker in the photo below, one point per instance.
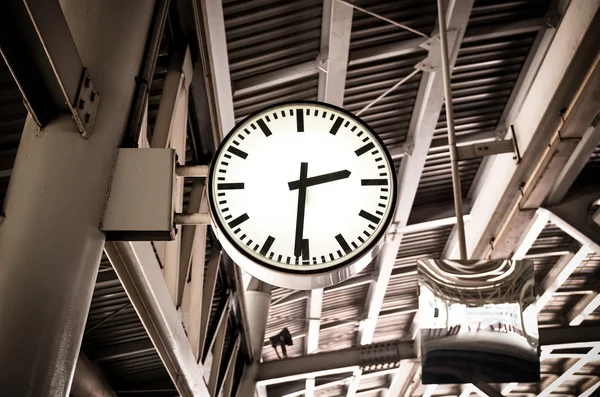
(305, 252)
(364, 149)
(322, 258)
(267, 245)
(373, 182)
(271, 255)
(354, 245)
(240, 219)
(237, 152)
(342, 241)
(331, 256)
(263, 127)
(368, 216)
(300, 120)
(336, 126)
(279, 258)
(230, 186)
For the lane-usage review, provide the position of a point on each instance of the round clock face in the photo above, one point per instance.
(301, 194)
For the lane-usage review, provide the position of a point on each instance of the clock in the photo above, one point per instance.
(301, 194)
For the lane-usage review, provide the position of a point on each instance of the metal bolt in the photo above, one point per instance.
(87, 118)
(81, 104)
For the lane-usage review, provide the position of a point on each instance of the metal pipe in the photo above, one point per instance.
(144, 79)
(384, 18)
(187, 218)
(458, 207)
(380, 97)
(88, 380)
(192, 171)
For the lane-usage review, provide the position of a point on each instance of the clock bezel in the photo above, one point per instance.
(374, 243)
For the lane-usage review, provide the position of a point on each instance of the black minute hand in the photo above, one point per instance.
(301, 209)
(317, 180)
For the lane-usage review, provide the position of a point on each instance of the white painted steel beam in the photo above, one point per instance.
(401, 379)
(426, 113)
(588, 304)
(496, 188)
(592, 355)
(374, 53)
(336, 28)
(580, 156)
(171, 131)
(218, 65)
(590, 390)
(559, 274)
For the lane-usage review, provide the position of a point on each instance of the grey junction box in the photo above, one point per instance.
(140, 203)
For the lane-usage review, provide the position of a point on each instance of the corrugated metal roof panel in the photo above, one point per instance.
(495, 12)
(435, 186)
(113, 323)
(12, 119)
(390, 117)
(551, 238)
(339, 337)
(392, 327)
(368, 30)
(291, 316)
(429, 243)
(300, 89)
(345, 304)
(263, 36)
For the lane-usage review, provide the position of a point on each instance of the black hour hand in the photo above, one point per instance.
(317, 180)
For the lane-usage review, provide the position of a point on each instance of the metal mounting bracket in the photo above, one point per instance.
(433, 62)
(485, 149)
(86, 105)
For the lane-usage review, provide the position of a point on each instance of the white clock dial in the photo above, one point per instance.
(302, 187)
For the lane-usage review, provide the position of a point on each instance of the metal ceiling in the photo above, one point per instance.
(275, 51)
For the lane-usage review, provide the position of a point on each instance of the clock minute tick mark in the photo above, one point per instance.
(364, 149)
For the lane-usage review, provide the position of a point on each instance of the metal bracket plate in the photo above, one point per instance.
(484, 149)
(86, 105)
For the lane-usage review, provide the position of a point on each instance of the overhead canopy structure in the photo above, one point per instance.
(172, 318)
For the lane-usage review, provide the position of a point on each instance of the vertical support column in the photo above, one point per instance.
(50, 241)
(258, 303)
(171, 131)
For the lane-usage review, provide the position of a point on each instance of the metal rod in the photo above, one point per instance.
(383, 18)
(192, 219)
(105, 319)
(192, 171)
(458, 207)
(380, 97)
